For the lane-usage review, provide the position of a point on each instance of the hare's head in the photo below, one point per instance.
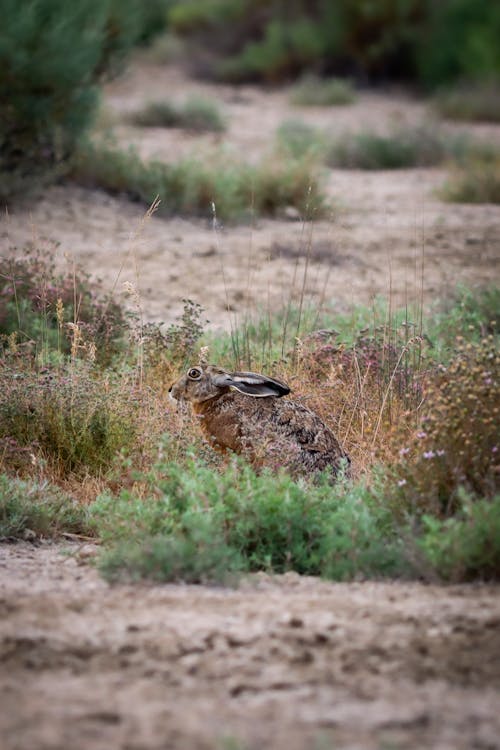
(202, 383)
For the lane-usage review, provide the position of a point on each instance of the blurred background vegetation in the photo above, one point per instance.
(54, 55)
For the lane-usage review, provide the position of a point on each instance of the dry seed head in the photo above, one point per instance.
(12, 339)
(60, 312)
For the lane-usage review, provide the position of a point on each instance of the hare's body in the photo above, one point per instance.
(244, 413)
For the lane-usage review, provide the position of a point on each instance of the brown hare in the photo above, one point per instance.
(243, 412)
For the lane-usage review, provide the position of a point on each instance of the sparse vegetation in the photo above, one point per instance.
(191, 186)
(197, 114)
(405, 147)
(474, 103)
(317, 92)
(420, 425)
(474, 180)
(297, 139)
(31, 509)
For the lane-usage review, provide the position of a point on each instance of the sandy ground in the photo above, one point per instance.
(287, 663)
(382, 224)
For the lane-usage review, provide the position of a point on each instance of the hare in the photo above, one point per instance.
(243, 412)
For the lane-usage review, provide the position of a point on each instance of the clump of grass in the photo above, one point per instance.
(298, 139)
(68, 416)
(37, 509)
(197, 114)
(405, 147)
(478, 102)
(475, 180)
(191, 186)
(457, 444)
(320, 92)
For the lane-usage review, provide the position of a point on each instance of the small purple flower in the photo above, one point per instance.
(494, 449)
(404, 451)
(488, 381)
(429, 454)
(401, 482)
(421, 435)
(440, 452)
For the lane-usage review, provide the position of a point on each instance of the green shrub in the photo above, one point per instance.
(198, 524)
(459, 39)
(52, 56)
(28, 508)
(473, 102)
(475, 180)
(190, 186)
(465, 547)
(297, 139)
(457, 445)
(315, 92)
(197, 114)
(405, 147)
(430, 43)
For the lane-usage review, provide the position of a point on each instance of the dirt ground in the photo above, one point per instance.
(286, 663)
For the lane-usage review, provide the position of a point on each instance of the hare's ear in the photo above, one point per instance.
(258, 386)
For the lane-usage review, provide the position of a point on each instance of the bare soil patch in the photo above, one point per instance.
(284, 662)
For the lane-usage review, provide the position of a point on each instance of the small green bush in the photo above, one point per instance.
(53, 54)
(238, 522)
(317, 92)
(474, 103)
(197, 114)
(28, 508)
(404, 147)
(190, 186)
(297, 139)
(475, 180)
(465, 547)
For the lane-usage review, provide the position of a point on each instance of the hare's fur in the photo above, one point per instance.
(244, 412)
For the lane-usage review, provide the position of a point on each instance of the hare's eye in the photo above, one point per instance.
(194, 373)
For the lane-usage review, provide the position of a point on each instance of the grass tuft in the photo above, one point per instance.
(471, 103)
(403, 148)
(189, 187)
(474, 180)
(38, 509)
(197, 114)
(318, 92)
